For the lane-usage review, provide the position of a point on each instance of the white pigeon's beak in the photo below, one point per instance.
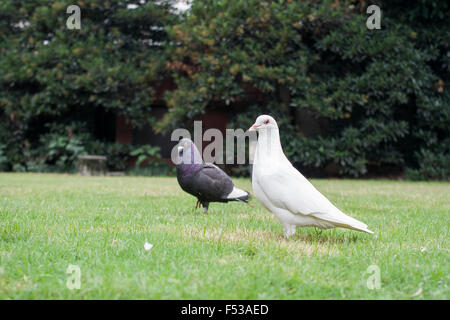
(253, 127)
(179, 149)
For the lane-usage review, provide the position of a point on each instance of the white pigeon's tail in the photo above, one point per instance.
(342, 220)
(238, 195)
(358, 229)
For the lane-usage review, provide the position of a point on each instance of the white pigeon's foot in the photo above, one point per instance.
(289, 230)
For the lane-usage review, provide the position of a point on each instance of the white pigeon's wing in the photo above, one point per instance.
(289, 189)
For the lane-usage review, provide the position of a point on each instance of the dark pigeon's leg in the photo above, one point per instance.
(197, 204)
(205, 206)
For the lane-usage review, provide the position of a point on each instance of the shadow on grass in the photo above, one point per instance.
(307, 235)
(326, 236)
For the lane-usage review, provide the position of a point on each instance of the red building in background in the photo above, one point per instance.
(216, 116)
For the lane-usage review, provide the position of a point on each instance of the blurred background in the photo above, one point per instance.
(350, 101)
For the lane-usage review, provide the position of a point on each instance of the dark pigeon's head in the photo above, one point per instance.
(187, 153)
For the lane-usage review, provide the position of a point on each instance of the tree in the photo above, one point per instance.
(375, 96)
(54, 75)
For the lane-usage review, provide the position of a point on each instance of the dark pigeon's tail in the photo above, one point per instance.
(239, 195)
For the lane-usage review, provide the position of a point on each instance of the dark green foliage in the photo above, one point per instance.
(50, 74)
(433, 165)
(145, 153)
(118, 154)
(152, 169)
(349, 101)
(3, 158)
(58, 150)
(381, 94)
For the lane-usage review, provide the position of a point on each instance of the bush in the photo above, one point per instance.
(153, 169)
(145, 153)
(432, 165)
(377, 96)
(59, 148)
(118, 155)
(53, 75)
(3, 159)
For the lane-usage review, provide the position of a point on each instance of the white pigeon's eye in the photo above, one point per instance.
(267, 121)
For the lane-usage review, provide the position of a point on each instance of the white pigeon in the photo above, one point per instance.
(286, 192)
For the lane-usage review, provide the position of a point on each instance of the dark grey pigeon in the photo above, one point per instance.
(203, 180)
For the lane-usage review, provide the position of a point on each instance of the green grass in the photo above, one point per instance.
(235, 251)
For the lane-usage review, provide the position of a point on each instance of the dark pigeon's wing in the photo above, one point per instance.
(211, 183)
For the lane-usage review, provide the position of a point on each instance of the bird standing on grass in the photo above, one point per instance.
(205, 181)
(286, 192)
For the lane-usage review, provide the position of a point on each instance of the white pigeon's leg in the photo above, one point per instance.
(289, 230)
(293, 229)
(286, 229)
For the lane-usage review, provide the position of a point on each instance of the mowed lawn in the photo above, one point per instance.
(49, 221)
